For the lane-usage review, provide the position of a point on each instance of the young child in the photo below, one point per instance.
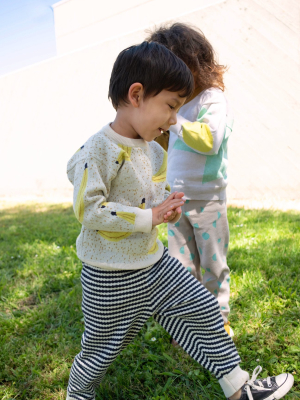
(197, 165)
(120, 196)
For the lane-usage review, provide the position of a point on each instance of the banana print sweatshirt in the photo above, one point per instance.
(117, 181)
(197, 151)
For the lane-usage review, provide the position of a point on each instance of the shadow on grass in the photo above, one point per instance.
(41, 319)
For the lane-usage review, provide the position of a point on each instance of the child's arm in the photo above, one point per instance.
(205, 135)
(92, 183)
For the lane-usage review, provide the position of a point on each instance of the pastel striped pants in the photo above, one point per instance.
(116, 305)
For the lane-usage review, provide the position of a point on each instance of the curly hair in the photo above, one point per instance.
(190, 44)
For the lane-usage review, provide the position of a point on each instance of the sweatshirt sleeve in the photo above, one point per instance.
(92, 181)
(205, 135)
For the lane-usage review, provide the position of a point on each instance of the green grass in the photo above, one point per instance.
(41, 320)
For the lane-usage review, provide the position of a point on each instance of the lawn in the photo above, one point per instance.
(41, 320)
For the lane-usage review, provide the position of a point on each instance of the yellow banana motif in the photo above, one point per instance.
(161, 174)
(114, 236)
(154, 248)
(125, 154)
(80, 148)
(127, 216)
(168, 188)
(127, 149)
(117, 236)
(79, 206)
(143, 204)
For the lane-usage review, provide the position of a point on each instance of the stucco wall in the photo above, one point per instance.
(81, 23)
(50, 109)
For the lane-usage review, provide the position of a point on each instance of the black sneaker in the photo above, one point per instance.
(271, 388)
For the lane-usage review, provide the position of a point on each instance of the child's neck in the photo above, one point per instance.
(123, 127)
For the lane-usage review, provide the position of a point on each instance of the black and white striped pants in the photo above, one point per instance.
(116, 305)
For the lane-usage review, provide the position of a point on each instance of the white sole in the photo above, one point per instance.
(283, 390)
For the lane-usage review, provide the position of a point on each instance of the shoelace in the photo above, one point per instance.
(250, 384)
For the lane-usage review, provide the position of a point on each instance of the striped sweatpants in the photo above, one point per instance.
(116, 305)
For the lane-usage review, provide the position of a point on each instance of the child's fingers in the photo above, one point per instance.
(167, 209)
(171, 196)
(169, 215)
(175, 206)
(170, 208)
(179, 195)
(175, 203)
(174, 196)
(174, 214)
(169, 200)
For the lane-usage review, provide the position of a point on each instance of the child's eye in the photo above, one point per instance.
(172, 108)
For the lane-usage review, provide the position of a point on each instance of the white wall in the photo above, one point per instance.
(81, 23)
(48, 110)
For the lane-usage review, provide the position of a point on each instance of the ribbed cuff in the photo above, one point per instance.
(143, 221)
(233, 381)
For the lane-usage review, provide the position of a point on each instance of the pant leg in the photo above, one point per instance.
(191, 315)
(212, 237)
(200, 240)
(115, 306)
(181, 241)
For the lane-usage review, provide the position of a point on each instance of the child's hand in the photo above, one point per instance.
(167, 208)
(172, 215)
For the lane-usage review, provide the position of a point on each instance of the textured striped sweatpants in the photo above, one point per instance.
(116, 304)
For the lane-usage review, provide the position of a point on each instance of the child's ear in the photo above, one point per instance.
(135, 94)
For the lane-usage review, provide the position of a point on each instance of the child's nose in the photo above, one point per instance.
(173, 119)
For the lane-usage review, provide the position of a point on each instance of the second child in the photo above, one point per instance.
(197, 165)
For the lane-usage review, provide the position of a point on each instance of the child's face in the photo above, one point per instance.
(156, 114)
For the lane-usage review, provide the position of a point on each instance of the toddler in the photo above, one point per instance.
(197, 164)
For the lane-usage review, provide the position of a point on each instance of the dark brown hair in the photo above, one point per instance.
(152, 65)
(194, 49)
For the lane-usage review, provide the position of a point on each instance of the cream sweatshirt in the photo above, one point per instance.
(117, 181)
